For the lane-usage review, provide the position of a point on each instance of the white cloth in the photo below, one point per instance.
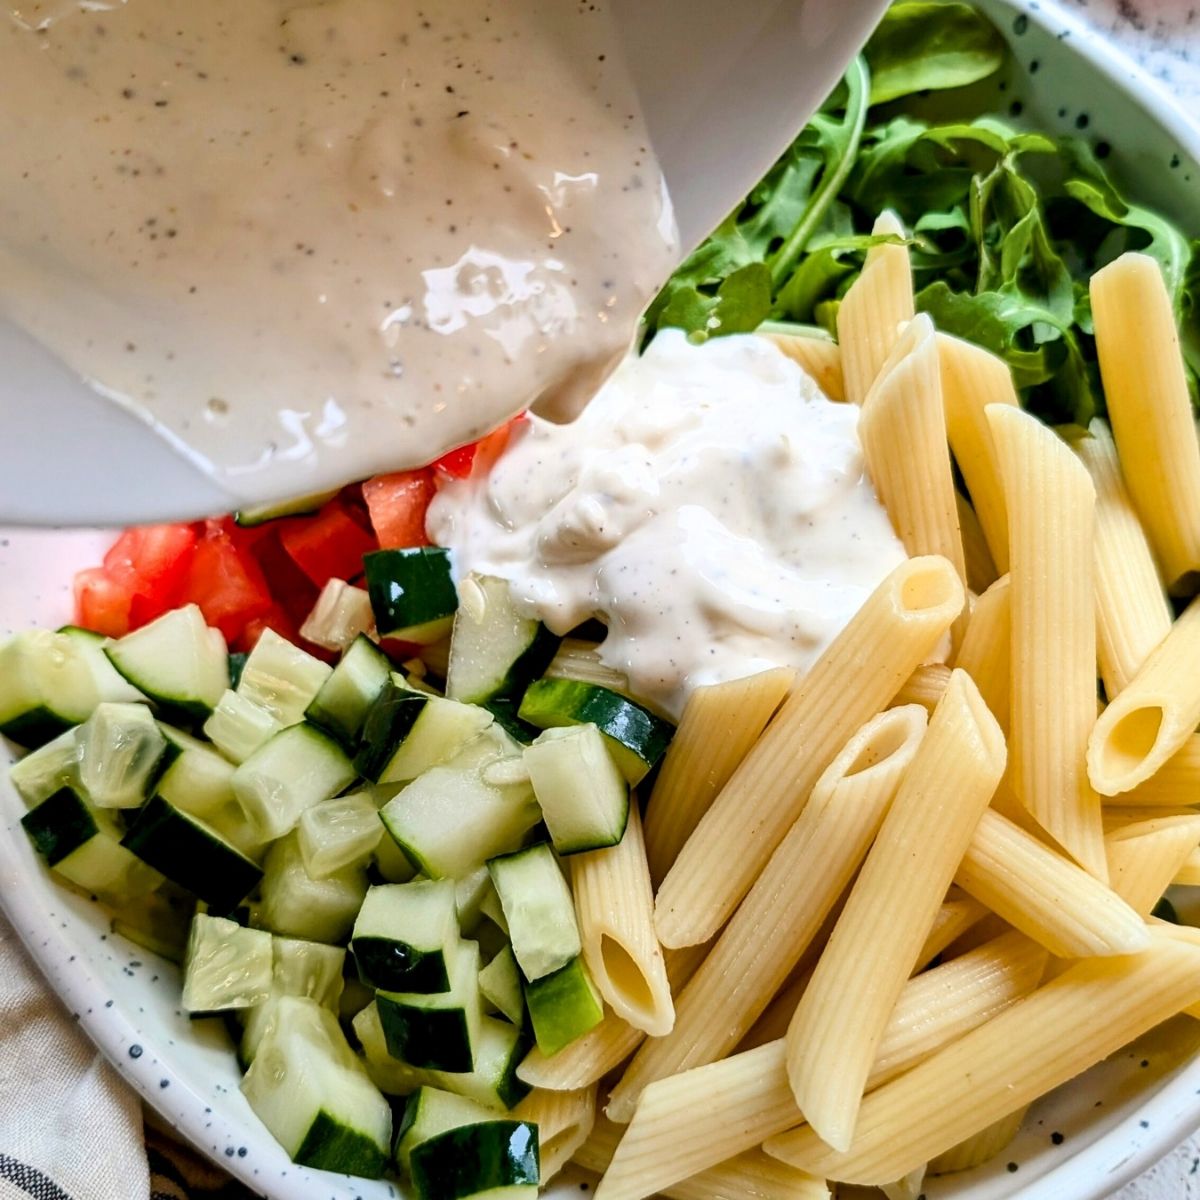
(69, 1128)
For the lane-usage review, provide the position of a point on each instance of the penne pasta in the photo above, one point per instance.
(1132, 613)
(605, 1046)
(563, 1119)
(750, 1176)
(982, 572)
(896, 629)
(973, 379)
(1155, 714)
(1188, 874)
(903, 435)
(719, 725)
(821, 358)
(910, 1187)
(767, 936)
(835, 1033)
(1148, 404)
(1020, 1054)
(924, 686)
(959, 914)
(985, 653)
(1175, 784)
(1046, 896)
(874, 311)
(1050, 501)
(615, 905)
(979, 1147)
(671, 1137)
(1145, 857)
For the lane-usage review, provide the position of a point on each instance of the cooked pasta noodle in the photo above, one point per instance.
(1144, 858)
(985, 653)
(1175, 783)
(821, 358)
(924, 686)
(563, 1119)
(982, 571)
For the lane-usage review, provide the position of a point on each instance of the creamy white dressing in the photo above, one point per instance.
(316, 239)
(709, 505)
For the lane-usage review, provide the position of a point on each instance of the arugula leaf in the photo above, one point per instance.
(926, 44)
(740, 304)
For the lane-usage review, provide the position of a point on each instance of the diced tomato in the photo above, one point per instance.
(458, 462)
(463, 461)
(151, 563)
(398, 651)
(397, 504)
(102, 602)
(328, 546)
(226, 583)
(291, 589)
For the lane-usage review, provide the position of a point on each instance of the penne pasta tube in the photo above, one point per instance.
(563, 1119)
(835, 1034)
(875, 310)
(605, 1046)
(1051, 503)
(1188, 874)
(672, 1137)
(750, 1176)
(972, 379)
(1022, 1053)
(958, 914)
(924, 686)
(982, 572)
(615, 905)
(1144, 858)
(896, 630)
(909, 1187)
(719, 725)
(979, 1147)
(768, 934)
(1149, 407)
(1132, 613)
(1046, 896)
(985, 653)
(1155, 714)
(1174, 785)
(903, 435)
(820, 357)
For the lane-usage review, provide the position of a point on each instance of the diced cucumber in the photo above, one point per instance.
(538, 908)
(110, 684)
(260, 514)
(354, 998)
(236, 828)
(438, 1030)
(389, 1074)
(500, 985)
(469, 894)
(46, 686)
(121, 752)
(583, 796)
(189, 852)
(431, 1111)
(491, 908)
(494, 650)
(158, 922)
(407, 732)
(43, 771)
(296, 905)
(226, 966)
(299, 767)
(339, 833)
(412, 593)
(198, 780)
(308, 1088)
(281, 677)
(429, 818)
(405, 937)
(341, 706)
(237, 664)
(636, 737)
(498, 1161)
(238, 726)
(83, 844)
(393, 865)
(563, 1006)
(579, 659)
(177, 661)
(341, 614)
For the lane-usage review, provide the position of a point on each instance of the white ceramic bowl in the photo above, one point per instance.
(1110, 1124)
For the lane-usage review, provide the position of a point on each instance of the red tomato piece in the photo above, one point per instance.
(328, 546)
(457, 463)
(290, 588)
(151, 563)
(397, 504)
(102, 602)
(226, 583)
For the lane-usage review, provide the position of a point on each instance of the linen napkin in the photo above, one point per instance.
(70, 1129)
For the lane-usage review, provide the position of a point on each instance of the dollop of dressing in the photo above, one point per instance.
(709, 505)
(315, 239)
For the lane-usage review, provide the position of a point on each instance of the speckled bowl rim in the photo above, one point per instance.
(1092, 1173)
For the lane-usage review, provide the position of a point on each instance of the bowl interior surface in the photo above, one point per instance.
(1082, 1141)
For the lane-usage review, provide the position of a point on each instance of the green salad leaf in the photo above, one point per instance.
(1006, 223)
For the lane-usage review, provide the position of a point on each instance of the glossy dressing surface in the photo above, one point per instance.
(709, 505)
(311, 241)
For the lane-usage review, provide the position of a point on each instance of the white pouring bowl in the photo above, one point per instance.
(1111, 1123)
